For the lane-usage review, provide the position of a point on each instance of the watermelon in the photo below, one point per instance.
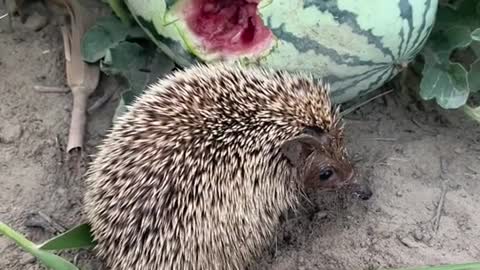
(356, 47)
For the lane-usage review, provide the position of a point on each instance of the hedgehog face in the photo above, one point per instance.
(320, 160)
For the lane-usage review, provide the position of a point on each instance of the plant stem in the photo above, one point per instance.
(21, 240)
(79, 118)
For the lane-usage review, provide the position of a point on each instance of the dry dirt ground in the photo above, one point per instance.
(423, 166)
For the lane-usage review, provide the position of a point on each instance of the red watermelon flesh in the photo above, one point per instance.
(227, 27)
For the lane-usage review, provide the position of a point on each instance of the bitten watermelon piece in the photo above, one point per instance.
(221, 29)
(227, 27)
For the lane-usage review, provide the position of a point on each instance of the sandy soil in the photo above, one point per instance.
(415, 160)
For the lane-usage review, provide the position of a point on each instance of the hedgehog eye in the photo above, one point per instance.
(325, 174)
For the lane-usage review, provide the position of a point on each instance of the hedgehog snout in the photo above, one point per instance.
(359, 188)
(362, 191)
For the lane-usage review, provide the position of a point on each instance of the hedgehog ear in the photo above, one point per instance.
(320, 135)
(325, 139)
(297, 150)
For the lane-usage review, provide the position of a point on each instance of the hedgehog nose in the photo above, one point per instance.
(362, 191)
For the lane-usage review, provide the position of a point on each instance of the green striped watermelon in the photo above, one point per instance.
(354, 45)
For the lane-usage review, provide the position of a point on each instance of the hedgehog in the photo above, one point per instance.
(197, 172)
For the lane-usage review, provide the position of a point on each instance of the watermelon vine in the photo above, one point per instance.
(451, 70)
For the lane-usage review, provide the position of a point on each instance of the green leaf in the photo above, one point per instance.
(446, 17)
(446, 83)
(476, 34)
(159, 67)
(121, 10)
(452, 38)
(47, 258)
(77, 237)
(475, 46)
(467, 266)
(128, 59)
(474, 113)
(466, 15)
(125, 57)
(468, 8)
(105, 34)
(442, 80)
(474, 76)
(129, 96)
(119, 111)
(136, 33)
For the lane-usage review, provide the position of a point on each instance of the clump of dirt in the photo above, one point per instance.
(423, 165)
